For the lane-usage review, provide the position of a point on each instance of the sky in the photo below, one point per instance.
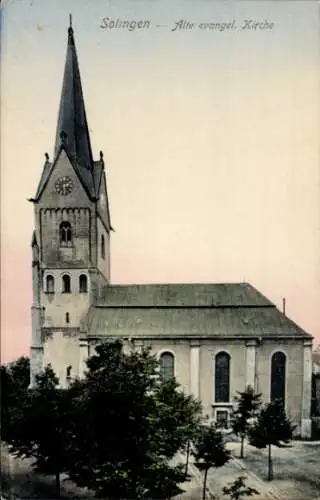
(210, 138)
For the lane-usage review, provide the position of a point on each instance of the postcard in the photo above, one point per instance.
(160, 184)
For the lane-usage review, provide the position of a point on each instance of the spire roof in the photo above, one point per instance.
(72, 127)
(72, 133)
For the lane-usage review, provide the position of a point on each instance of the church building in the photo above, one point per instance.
(215, 338)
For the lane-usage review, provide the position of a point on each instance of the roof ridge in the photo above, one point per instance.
(189, 283)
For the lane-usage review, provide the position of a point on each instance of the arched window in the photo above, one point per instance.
(49, 283)
(83, 283)
(103, 247)
(222, 378)
(65, 234)
(66, 283)
(167, 365)
(278, 377)
(67, 317)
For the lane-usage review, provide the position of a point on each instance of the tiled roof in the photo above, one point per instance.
(47, 169)
(183, 322)
(184, 295)
(214, 310)
(72, 120)
(72, 132)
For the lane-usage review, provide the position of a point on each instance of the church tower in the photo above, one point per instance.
(71, 240)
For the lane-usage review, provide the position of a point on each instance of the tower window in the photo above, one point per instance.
(167, 365)
(222, 378)
(66, 284)
(65, 234)
(49, 284)
(67, 317)
(103, 247)
(83, 283)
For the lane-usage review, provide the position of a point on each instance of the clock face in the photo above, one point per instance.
(64, 185)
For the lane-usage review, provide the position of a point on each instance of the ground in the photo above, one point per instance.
(296, 471)
(19, 481)
(296, 475)
(26, 484)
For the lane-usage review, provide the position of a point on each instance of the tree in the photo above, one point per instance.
(40, 426)
(238, 489)
(14, 384)
(185, 419)
(128, 426)
(20, 372)
(271, 428)
(247, 406)
(209, 451)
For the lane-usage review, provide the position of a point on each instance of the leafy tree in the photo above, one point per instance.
(247, 407)
(185, 419)
(271, 428)
(209, 451)
(40, 426)
(128, 425)
(14, 382)
(20, 372)
(238, 489)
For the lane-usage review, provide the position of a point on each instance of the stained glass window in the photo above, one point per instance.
(278, 376)
(166, 365)
(222, 377)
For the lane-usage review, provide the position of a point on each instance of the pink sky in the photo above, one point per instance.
(211, 142)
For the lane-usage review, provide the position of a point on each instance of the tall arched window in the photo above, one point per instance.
(222, 378)
(278, 377)
(65, 234)
(167, 365)
(49, 283)
(83, 283)
(66, 283)
(103, 247)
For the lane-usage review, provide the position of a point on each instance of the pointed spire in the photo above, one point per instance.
(35, 248)
(34, 242)
(72, 128)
